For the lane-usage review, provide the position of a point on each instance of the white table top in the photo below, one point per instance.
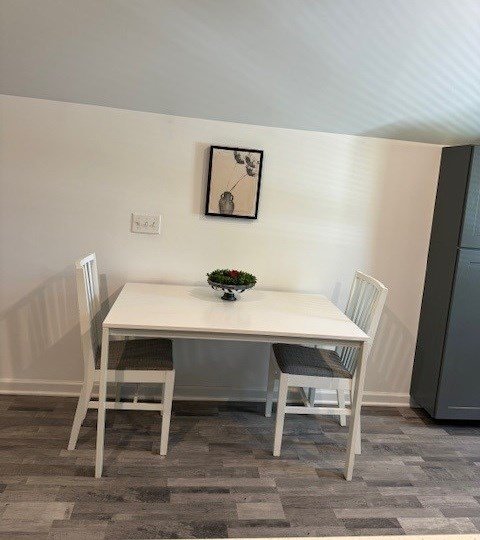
(183, 308)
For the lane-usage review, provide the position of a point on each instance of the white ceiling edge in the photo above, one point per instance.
(385, 140)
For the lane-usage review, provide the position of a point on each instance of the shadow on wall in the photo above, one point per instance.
(220, 369)
(391, 355)
(40, 334)
(202, 153)
(398, 257)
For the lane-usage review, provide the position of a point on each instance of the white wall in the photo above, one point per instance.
(329, 204)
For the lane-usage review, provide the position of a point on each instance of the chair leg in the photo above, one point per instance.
(102, 404)
(358, 433)
(341, 404)
(167, 410)
(80, 413)
(272, 372)
(281, 404)
(358, 438)
(162, 398)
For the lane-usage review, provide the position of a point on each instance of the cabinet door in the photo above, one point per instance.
(459, 390)
(471, 221)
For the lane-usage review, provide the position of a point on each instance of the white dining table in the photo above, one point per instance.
(190, 312)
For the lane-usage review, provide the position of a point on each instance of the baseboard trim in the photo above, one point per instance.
(211, 393)
(39, 387)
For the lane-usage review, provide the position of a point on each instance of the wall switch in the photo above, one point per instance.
(145, 224)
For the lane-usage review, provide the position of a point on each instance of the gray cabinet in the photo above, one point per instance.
(459, 385)
(471, 224)
(446, 371)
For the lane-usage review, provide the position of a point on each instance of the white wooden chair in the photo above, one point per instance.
(295, 365)
(130, 361)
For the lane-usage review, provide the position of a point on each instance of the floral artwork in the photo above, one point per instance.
(234, 182)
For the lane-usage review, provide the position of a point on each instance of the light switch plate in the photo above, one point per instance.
(144, 224)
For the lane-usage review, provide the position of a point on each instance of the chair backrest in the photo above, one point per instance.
(364, 308)
(88, 292)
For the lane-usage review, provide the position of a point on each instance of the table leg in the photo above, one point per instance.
(102, 398)
(356, 408)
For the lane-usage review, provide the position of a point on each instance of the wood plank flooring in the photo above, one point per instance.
(220, 480)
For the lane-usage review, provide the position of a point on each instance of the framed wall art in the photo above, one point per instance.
(233, 187)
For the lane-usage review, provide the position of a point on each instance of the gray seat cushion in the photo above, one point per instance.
(144, 354)
(299, 360)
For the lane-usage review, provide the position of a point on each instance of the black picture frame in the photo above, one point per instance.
(229, 201)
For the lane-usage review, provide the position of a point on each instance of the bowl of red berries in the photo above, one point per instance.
(231, 282)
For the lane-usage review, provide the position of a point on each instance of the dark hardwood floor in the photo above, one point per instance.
(220, 479)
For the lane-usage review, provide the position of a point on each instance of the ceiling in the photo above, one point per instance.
(403, 69)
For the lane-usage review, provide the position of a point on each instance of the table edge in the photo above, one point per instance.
(205, 331)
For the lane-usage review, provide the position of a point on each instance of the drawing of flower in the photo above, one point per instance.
(238, 157)
(245, 164)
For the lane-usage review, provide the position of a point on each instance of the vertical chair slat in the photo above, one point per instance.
(91, 307)
(361, 306)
